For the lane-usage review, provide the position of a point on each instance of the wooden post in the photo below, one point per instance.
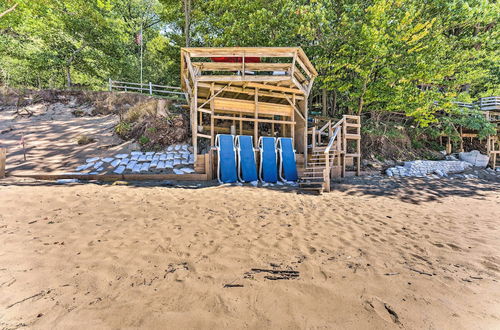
(3, 157)
(256, 123)
(194, 129)
(110, 84)
(326, 172)
(241, 124)
(448, 145)
(461, 140)
(150, 88)
(292, 126)
(212, 119)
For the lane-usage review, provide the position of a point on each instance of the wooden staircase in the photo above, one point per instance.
(327, 157)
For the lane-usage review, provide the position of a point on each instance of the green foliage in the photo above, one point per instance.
(404, 57)
(123, 129)
(143, 140)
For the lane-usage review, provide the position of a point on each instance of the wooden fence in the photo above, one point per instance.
(484, 103)
(148, 88)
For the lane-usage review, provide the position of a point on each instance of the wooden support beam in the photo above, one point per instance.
(292, 127)
(248, 107)
(250, 91)
(205, 136)
(256, 120)
(194, 123)
(256, 115)
(212, 95)
(225, 78)
(294, 106)
(212, 113)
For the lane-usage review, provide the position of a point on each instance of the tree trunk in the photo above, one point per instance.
(68, 75)
(361, 98)
(187, 21)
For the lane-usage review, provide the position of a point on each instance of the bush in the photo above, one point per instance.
(84, 139)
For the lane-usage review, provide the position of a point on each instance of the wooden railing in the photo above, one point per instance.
(326, 130)
(329, 163)
(483, 104)
(148, 88)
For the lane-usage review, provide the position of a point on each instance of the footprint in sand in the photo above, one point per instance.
(383, 310)
(454, 247)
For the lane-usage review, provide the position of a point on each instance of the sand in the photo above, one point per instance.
(413, 256)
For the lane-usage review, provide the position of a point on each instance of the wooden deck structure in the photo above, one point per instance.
(246, 90)
(490, 107)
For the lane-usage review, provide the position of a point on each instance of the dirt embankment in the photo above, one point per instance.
(58, 129)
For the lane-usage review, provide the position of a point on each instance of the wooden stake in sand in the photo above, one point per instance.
(3, 157)
(23, 144)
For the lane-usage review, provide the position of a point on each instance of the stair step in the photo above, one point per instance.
(316, 185)
(352, 125)
(309, 179)
(352, 155)
(353, 136)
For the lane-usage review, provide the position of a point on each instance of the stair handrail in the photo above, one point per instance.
(326, 171)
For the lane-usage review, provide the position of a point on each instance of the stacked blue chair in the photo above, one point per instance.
(268, 160)
(226, 152)
(288, 165)
(247, 168)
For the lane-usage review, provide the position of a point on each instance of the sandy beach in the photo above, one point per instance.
(370, 255)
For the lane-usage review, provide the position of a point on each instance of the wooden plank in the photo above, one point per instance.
(292, 103)
(205, 136)
(256, 116)
(227, 130)
(275, 88)
(212, 112)
(251, 91)
(239, 51)
(194, 128)
(113, 177)
(227, 78)
(256, 120)
(226, 66)
(246, 106)
(3, 160)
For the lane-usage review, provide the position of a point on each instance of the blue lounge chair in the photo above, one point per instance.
(247, 168)
(226, 153)
(268, 160)
(288, 166)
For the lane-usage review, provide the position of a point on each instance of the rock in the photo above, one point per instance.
(169, 164)
(178, 172)
(124, 161)
(475, 158)
(137, 168)
(116, 162)
(121, 155)
(131, 165)
(187, 170)
(160, 165)
(107, 159)
(145, 167)
(98, 164)
(92, 160)
(119, 169)
(64, 181)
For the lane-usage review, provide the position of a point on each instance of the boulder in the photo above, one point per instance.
(475, 158)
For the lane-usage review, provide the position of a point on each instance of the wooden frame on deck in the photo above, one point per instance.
(262, 89)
